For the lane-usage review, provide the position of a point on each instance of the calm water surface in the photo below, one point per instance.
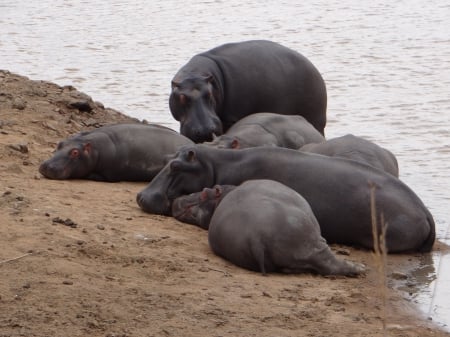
(386, 65)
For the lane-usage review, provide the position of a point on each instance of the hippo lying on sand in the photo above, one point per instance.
(338, 191)
(218, 87)
(269, 129)
(133, 152)
(265, 226)
(356, 148)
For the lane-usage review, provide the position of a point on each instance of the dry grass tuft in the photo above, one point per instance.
(380, 254)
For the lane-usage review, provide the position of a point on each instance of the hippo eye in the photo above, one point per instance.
(74, 153)
(175, 166)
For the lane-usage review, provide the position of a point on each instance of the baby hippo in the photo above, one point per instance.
(262, 225)
(268, 129)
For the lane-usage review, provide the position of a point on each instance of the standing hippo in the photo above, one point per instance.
(356, 148)
(133, 152)
(217, 88)
(265, 226)
(269, 129)
(338, 190)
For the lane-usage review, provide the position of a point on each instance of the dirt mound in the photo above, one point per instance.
(79, 258)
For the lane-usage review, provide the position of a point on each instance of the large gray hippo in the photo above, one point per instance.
(269, 129)
(133, 152)
(356, 148)
(265, 226)
(218, 87)
(338, 191)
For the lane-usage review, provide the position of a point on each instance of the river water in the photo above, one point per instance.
(386, 65)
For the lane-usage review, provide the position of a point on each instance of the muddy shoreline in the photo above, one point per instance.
(80, 258)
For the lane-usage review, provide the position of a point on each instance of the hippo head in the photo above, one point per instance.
(71, 160)
(193, 102)
(184, 174)
(198, 208)
(226, 142)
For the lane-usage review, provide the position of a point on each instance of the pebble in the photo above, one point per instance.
(399, 276)
(81, 105)
(18, 103)
(22, 148)
(67, 222)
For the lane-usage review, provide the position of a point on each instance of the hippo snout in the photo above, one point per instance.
(52, 170)
(155, 203)
(202, 132)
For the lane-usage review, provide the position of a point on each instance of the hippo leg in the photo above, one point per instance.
(326, 263)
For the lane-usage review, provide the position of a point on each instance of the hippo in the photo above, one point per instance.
(132, 152)
(263, 225)
(197, 208)
(338, 190)
(218, 87)
(269, 129)
(356, 148)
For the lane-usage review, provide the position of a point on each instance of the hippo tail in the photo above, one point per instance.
(428, 243)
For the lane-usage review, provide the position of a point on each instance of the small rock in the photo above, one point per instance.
(399, 276)
(66, 282)
(27, 285)
(99, 104)
(18, 103)
(101, 227)
(246, 296)
(82, 105)
(266, 294)
(23, 148)
(50, 125)
(91, 122)
(67, 222)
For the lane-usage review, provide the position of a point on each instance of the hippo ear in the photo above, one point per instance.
(218, 191)
(204, 194)
(235, 144)
(191, 156)
(87, 148)
(209, 78)
(175, 85)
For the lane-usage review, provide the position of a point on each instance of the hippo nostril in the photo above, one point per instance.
(140, 199)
